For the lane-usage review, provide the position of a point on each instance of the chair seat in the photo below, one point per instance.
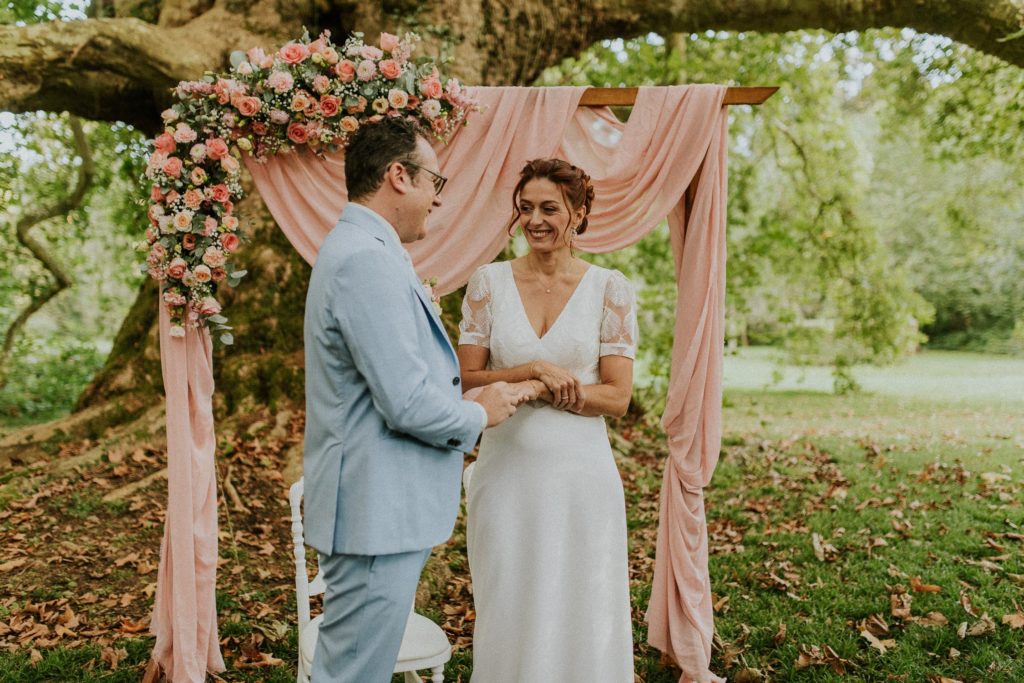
(423, 640)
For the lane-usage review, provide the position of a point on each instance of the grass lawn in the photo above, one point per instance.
(875, 537)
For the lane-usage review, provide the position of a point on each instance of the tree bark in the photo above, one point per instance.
(121, 69)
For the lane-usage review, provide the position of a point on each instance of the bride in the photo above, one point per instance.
(546, 514)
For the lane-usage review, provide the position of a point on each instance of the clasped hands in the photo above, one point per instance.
(555, 385)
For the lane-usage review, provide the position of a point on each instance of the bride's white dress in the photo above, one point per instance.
(546, 514)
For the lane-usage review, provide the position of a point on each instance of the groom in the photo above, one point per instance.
(386, 426)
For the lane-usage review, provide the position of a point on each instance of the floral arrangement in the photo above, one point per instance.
(310, 93)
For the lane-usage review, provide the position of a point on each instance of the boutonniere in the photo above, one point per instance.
(428, 286)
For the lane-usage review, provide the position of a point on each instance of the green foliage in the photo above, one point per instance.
(44, 381)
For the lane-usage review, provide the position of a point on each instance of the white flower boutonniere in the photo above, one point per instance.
(428, 286)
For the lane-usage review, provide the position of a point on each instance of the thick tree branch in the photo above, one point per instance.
(61, 279)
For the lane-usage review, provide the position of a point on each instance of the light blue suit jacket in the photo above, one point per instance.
(386, 425)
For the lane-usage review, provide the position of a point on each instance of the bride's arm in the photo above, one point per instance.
(610, 397)
(473, 361)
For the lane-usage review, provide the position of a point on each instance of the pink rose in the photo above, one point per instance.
(349, 124)
(198, 175)
(155, 195)
(431, 87)
(297, 133)
(188, 241)
(321, 83)
(164, 143)
(366, 70)
(389, 69)
(248, 106)
(157, 254)
(216, 148)
(193, 199)
(220, 192)
(151, 235)
(293, 53)
(388, 42)
(177, 267)
(370, 52)
(280, 81)
(318, 45)
(330, 105)
(209, 306)
(202, 274)
(229, 206)
(229, 164)
(172, 167)
(209, 226)
(346, 70)
(230, 242)
(330, 55)
(214, 257)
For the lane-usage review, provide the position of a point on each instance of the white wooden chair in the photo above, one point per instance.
(424, 645)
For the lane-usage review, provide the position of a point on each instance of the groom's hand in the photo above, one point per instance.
(499, 400)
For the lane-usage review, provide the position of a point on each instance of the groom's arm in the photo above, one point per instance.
(376, 313)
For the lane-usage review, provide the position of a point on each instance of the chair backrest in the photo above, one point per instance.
(304, 588)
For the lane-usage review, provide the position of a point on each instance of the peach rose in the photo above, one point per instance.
(346, 70)
(330, 105)
(198, 175)
(216, 148)
(349, 124)
(155, 195)
(164, 143)
(202, 274)
(431, 87)
(172, 167)
(398, 98)
(294, 53)
(300, 101)
(177, 267)
(220, 193)
(230, 242)
(298, 134)
(331, 56)
(209, 306)
(248, 106)
(183, 220)
(389, 69)
(388, 42)
(230, 223)
(229, 164)
(213, 257)
(193, 199)
(172, 196)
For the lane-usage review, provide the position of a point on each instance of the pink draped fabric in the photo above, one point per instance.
(185, 612)
(667, 160)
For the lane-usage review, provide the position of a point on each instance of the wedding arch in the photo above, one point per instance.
(669, 159)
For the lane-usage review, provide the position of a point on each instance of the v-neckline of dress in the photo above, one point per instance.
(522, 305)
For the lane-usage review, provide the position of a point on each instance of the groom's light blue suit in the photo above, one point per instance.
(386, 428)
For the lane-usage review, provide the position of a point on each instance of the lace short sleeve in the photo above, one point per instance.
(619, 331)
(475, 327)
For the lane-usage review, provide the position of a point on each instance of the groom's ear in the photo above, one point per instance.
(397, 177)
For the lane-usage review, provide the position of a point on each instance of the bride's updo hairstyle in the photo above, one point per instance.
(573, 182)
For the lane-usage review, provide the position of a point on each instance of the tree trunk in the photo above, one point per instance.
(122, 67)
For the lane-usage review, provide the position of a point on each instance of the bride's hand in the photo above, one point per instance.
(563, 385)
(528, 390)
(581, 400)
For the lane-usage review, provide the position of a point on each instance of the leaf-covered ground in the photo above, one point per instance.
(852, 538)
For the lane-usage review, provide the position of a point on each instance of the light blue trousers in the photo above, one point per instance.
(365, 610)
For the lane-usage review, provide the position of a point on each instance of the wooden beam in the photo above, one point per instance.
(624, 97)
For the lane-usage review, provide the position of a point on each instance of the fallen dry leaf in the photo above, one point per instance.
(880, 645)
(933, 619)
(918, 587)
(1015, 620)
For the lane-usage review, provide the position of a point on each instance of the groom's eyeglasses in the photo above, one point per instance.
(439, 180)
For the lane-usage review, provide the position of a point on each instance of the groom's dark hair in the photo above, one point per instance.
(373, 148)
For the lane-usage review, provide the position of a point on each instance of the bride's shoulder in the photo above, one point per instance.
(610, 276)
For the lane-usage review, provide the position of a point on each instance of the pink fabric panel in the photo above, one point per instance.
(184, 613)
(680, 616)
